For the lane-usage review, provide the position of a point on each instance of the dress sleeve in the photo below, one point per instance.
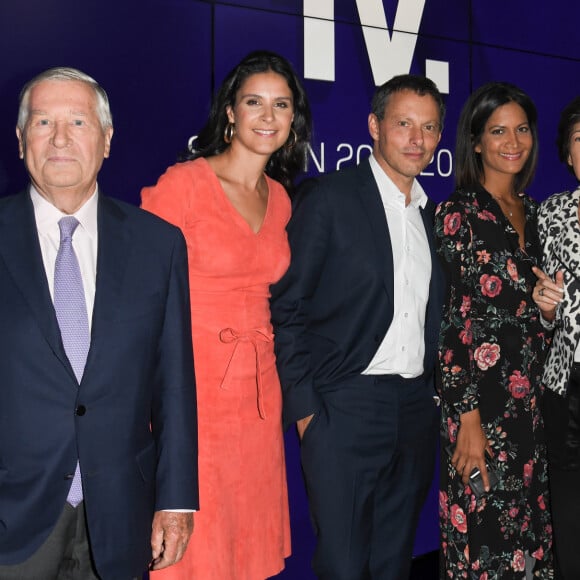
(454, 241)
(167, 199)
(550, 262)
(549, 233)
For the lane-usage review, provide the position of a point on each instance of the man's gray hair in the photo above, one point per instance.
(65, 74)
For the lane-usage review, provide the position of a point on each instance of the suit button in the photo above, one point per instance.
(69, 475)
(80, 410)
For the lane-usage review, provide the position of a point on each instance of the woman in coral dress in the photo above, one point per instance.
(229, 202)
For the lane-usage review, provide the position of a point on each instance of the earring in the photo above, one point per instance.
(229, 133)
(292, 139)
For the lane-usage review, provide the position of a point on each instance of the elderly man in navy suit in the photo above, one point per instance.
(357, 323)
(98, 437)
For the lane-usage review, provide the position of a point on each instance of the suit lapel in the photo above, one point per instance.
(112, 258)
(371, 200)
(20, 249)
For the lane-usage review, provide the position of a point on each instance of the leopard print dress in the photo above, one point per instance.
(559, 231)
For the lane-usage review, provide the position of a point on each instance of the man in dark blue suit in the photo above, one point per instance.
(357, 324)
(98, 436)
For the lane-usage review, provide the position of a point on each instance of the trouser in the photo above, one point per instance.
(64, 555)
(562, 421)
(368, 457)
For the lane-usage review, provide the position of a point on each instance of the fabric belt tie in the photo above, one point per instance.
(252, 336)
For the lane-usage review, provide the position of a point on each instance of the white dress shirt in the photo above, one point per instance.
(403, 348)
(84, 241)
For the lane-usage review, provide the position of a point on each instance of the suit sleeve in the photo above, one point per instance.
(308, 235)
(174, 412)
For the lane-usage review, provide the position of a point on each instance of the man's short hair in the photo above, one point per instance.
(65, 74)
(418, 84)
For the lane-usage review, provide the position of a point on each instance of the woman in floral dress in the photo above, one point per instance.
(491, 347)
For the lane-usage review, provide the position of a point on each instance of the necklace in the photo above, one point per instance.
(501, 203)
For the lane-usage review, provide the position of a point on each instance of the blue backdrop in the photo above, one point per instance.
(160, 61)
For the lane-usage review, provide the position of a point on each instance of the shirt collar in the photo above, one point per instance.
(47, 215)
(390, 192)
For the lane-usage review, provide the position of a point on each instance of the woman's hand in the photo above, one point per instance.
(547, 293)
(470, 448)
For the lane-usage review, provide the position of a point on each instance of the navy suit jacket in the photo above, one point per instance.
(131, 421)
(334, 306)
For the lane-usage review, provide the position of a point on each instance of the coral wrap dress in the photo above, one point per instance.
(242, 530)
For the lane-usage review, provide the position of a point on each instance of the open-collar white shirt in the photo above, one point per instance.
(402, 350)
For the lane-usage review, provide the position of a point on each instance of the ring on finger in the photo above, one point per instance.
(541, 292)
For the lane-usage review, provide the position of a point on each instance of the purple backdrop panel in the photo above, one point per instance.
(161, 90)
(538, 27)
(279, 6)
(446, 19)
(281, 33)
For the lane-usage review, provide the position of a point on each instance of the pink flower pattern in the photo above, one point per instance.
(458, 519)
(466, 335)
(490, 285)
(465, 306)
(519, 385)
(519, 561)
(486, 355)
(452, 223)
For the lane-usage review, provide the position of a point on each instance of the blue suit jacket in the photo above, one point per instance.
(137, 437)
(335, 304)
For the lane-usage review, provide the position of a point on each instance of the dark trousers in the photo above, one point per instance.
(562, 421)
(368, 459)
(64, 555)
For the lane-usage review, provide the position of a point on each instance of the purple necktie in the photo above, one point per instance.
(71, 313)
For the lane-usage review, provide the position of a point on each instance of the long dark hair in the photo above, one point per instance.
(476, 111)
(290, 159)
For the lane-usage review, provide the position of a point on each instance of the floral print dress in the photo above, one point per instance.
(491, 353)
